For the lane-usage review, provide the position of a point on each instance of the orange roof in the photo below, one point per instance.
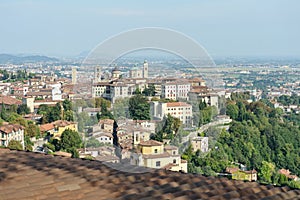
(177, 104)
(7, 100)
(151, 143)
(46, 127)
(8, 128)
(62, 123)
(59, 123)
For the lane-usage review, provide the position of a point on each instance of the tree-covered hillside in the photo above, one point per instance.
(259, 136)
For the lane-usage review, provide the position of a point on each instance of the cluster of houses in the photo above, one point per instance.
(131, 137)
(125, 140)
(133, 145)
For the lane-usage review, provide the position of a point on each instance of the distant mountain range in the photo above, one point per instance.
(7, 58)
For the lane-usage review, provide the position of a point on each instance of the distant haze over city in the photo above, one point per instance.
(225, 28)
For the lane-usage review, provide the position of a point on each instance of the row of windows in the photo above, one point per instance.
(187, 108)
(171, 95)
(105, 139)
(10, 134)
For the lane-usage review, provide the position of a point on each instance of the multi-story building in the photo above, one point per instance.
(10, 132)
(177, 90)
(100, 89)
(180, 110)
(104, 137)
(154, 154)
(211, 99)
(56, 128)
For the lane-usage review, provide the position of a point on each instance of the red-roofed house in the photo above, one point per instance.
(238, 174)
(10, 132)
(58, 127)
(288, 174)
(8, 101)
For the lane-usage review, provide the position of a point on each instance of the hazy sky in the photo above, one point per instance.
(223, 27)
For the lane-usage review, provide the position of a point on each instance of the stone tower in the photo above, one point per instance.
(97, 75)
(145, 69)
(74, 75)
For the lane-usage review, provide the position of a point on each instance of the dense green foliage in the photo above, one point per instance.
(289, 100)
(50, 114)
(150, 90)
(23, 109)
(259, 137)
(84, 120)
(139, 108)
(20, 75)
(16, 145)
(120, 108)
(70, 141)
(203, 113)
(93, 142)
(31, 129)
(59, 111)
(105, 113)
(167, 129)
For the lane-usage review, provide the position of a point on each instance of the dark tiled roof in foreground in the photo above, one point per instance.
(25, 175)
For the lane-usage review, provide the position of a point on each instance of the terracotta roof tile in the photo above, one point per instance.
(8, 128)
(7, 100)
(150, 143)
(46, 127)
(177, 104)
(27, 175)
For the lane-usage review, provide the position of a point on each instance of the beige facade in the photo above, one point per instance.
(154, 154)
(200, 143)
(105, 125)
(104, 137)
(10, 132)
(180, 110)
(56, 128)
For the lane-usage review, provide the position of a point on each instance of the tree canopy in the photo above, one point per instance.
(139, 108)
(260, 137)
(14, 144)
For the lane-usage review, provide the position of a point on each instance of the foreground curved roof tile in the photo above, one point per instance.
(27, 175)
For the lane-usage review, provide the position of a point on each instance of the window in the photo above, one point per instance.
(174, 161)
(174, 152)
(157, 163)
(136, 137)
(155, 150)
